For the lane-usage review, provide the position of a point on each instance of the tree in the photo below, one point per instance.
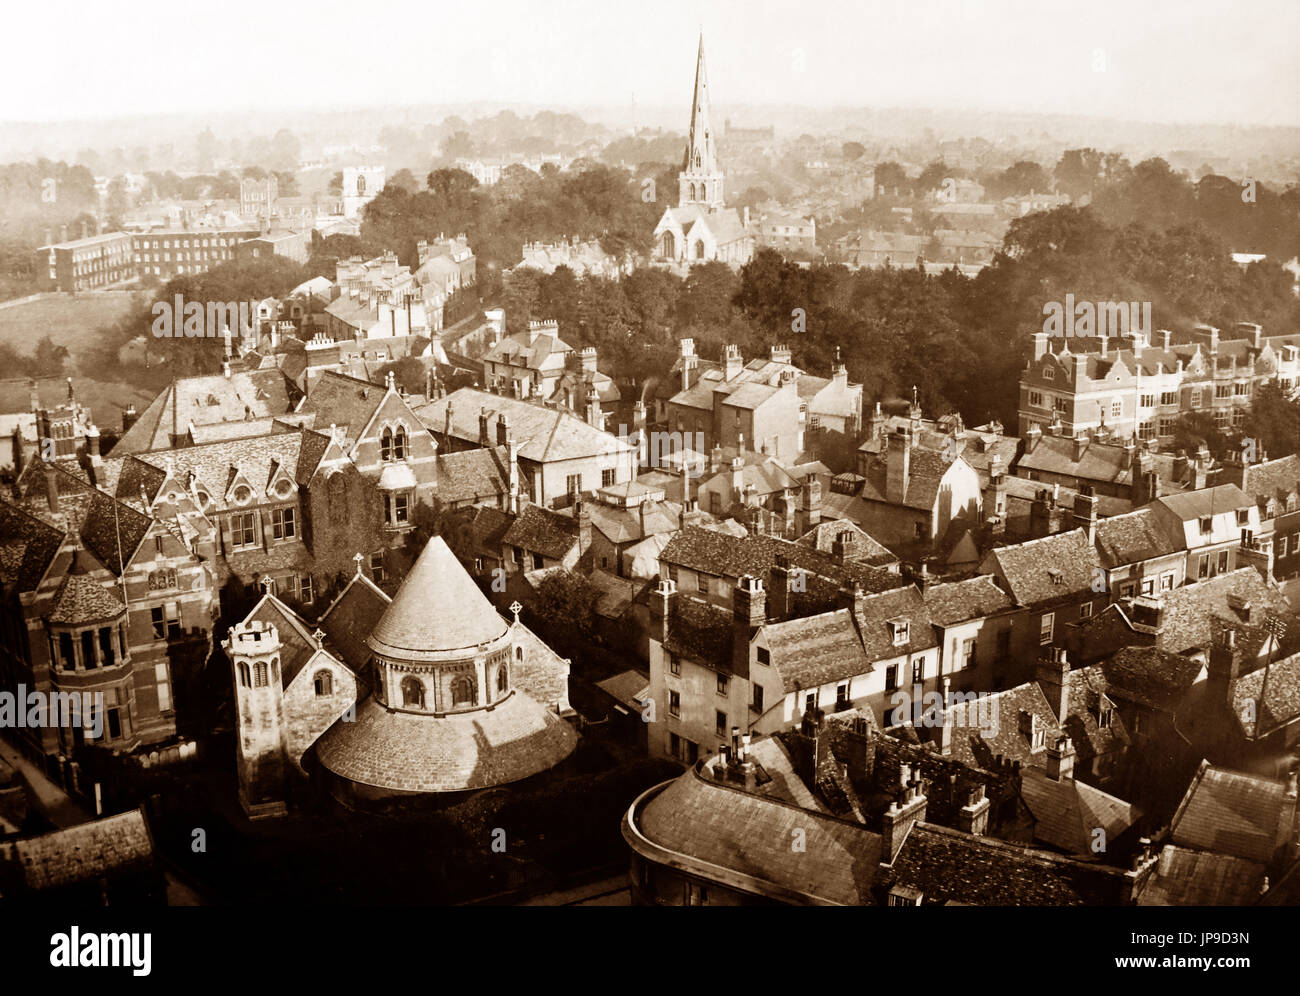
(853, 151)
(890, 176)
(567, 601)
(1273, 423)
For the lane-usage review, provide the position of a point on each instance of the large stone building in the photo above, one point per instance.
(431, 692)
(701, 228)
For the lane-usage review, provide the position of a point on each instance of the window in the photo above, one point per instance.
(758, 699)
(674, 664)
(503, 679)
(68, 655)
(810, 701)
(245, 678)
(1203, 567)
(918, 671)
(1049, 373)
(1167, 581)
(1223, 561)
(841, 696)
(1147, 401)
(166, 620)
(1167, 426)
(399, 444)
(723, 683)
(377, 567)
(1085, 610)
(282, 524)
(902, 630)
(1147, 430)
(702, 583)
(305, 590)
(967, 658)
(1243, 517)
(323, 683)
(259, 674)
(1061, 404)
(413, 691)
(1035, 399)
(764, 656)
(891, 677)
(675, 704)
(1222, 391)
(1045, 628)
(720, 723)
(1241, 389)
(386, 445)
(573, 484)
(1116, 408)
(1207, 525)
(243, 529)
(397, 508)
(607, 477)
(1169, 397)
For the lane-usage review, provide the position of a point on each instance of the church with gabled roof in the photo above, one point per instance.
(701, 228)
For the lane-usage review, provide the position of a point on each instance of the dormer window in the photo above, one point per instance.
(282, 488)
(901, 630)
(1049, 373)
(1207, 525)
(1104, 716)
(1056, 576)
(1243, 514)
(243, 494)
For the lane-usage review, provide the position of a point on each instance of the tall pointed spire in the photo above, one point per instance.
(700, 181)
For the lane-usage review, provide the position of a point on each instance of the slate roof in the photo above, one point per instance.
(421, 752)
(1272, 478)
(878, 610)
(205, 400)
(1233, 813)
(953, 867)
(541, 530)
(1153, 677)
(925, 470)
(1089, 692)
(991, 727)
(1134, 537)
(1108, 462)
(1208, 501)
(955, 602)
(1068, 812)
(437, 608)
(105, 847)
(515, 350)
(351, 617)
(342, 400)
(480, 530)
(817, 649)
(1187, 877)
(1192, 611)
(745, 837)
(544, 434)
(700, 631)
(859, 545)
(542, 674)
(28, 547)
(1042, 571)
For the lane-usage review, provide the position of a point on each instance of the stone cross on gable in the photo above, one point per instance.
(358, 557)
(267, 584)
(516, 608)
(319, 636)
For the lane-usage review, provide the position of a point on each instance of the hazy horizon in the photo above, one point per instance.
(1205, 62)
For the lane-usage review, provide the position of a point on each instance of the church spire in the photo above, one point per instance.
(700, 181)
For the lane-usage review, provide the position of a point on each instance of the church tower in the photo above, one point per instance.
(254, 650)
(700, 181)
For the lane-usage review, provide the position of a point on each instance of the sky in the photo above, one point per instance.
(1167, 61)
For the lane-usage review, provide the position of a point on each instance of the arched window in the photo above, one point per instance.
(519, 653)
(243, 673)
(412, 693)
(259, 674)
(669, 246)
(463, 692)
(386, 444)
(323, 683)
(399, 444)
(503, 678)
(361, 186)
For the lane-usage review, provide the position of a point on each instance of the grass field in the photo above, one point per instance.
(74, 322)
(69, 321)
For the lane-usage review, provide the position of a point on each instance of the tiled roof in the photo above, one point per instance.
(1190, 612)
(925, 470)
(1208, 501)
(1089, 698)
(950, 866)
(515, 350)
(541, 530)
(1274, 692)
(1157, 678)
(1044, 570)
(542, 674)
(817, 649)
(83, 853)
(82, 599)
(1234, 813)
(1132, 538)
(857, 543)
(412, 752)
(437, 608)
(296, 644)
(28, 547)
(995, 724)
(961, 601)
(472, 475)
(700, 631)
(1268, 479)
(901, 604)
(1067, 813)
(722, 554)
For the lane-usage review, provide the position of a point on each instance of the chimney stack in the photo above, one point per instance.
(1054, 680)
(52, 487)
(1060, 760)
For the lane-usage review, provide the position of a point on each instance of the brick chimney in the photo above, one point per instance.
(732, 361)
(689, 362)
(898, 457)
(1053, 679)
(1032, 435)
(582, 513)
(907, 809)
(810, 494)
(973, 818)
(1060, 760)
(779, 588)
(1224, 667)
(503, 429)
(749, 611)
(1085, 512)
(483, 427)
(661, 600)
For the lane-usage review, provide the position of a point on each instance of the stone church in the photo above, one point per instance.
(701, 227)
(431, 691)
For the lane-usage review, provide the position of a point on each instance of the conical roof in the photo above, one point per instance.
(438, 608)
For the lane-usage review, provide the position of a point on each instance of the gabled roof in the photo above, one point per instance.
(541, 530)
(925, 471)
(1132, 538)
(1153, 677)
(1208, 501)
(438, 608)
(351, 617)
(878, 614)
(1043, 570)
(342, 400)
(296, 644)
(961, 601)
(858, 544)
(28, 546)
(83, 853)
(1233, 813)
(1274, 692)
(82, 599)
(1188, 877)
(1067, 813)
(817, 649)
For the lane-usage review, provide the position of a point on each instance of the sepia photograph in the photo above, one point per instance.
(599, 454)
